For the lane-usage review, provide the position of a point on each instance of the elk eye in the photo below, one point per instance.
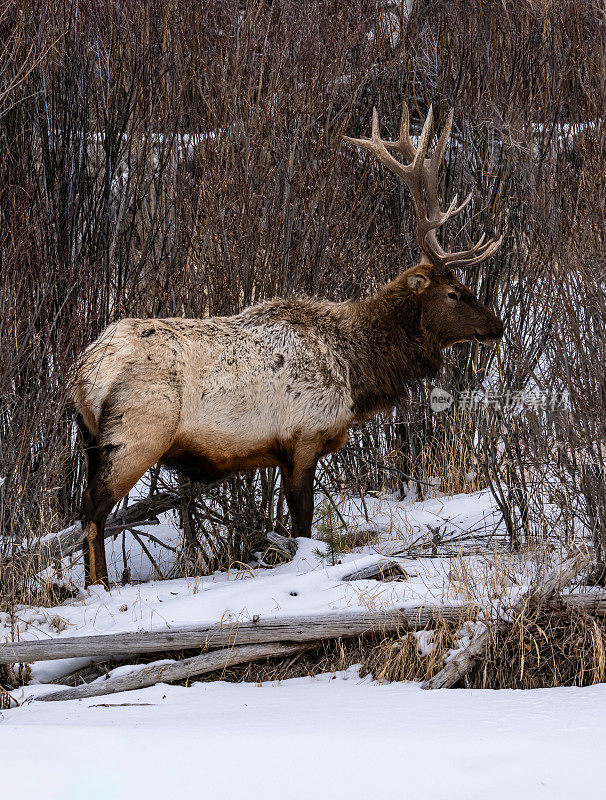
(453, 295)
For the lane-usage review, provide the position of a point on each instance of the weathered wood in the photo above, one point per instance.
(284, 545)
(460, 664)
(327, 626)
(381, 571)
(56, 546)
(274, 629)
(593, 603)
(177, 670)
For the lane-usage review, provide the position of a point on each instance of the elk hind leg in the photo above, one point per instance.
(120, 467)
(92, 558)
(97, 502)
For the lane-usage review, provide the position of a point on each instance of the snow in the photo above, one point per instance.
(402, 525)
(308, 585)
(330, 736)
(327, 737)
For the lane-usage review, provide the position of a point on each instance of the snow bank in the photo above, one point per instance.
(308, 585)
(327, 737)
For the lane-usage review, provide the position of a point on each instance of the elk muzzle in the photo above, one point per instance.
(492, 331)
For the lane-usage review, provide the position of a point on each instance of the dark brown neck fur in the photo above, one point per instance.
(390, 348)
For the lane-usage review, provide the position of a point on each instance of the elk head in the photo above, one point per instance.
(449, 310)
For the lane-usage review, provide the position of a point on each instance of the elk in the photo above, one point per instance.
(281, 383)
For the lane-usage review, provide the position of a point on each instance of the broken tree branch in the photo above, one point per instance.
(340, 624)
(56, 546)
(177, 670)
(275, 629)
(114, 529)
(460, 664)
(382, 570)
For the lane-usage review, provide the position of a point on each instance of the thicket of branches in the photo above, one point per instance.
(186, 159)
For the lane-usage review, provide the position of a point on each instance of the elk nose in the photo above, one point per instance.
(498, 328)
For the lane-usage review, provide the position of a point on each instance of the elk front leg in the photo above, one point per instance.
(299, 490)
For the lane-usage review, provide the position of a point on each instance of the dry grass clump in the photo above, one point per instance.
(36, 589)
(330, 656)
(552, 648)
(416, 656)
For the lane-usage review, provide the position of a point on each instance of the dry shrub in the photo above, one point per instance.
(403, 659)
(330, 656)
(104, 213)
(552, 648)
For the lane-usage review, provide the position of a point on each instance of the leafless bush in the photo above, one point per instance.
(186, 159)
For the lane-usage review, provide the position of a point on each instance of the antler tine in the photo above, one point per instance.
(374, 143)
(438, 154)
(432, 169)
(452, 210)
(411, 174)
(488, 252)
(432, 249)
(470, 262)
(421, 176)
(419, 160)
(375, 134)
(404, 144)
(480, 244)
(483, 251)
(377, 146)
(405, 125)
(463, 204)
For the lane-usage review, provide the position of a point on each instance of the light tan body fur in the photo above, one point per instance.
(229, 393)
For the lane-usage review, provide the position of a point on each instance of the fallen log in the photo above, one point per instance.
(593, 603)
(339, 624)
(381, 571)
(178, 670)
(274, 629)
(56, 546)
(460, 664)
(283, 544)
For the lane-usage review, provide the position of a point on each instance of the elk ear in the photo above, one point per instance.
(418, 281)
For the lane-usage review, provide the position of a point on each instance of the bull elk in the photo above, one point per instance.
(281, 383)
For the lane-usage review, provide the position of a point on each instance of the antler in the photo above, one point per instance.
(420, 174)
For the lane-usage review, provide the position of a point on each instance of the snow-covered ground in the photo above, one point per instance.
(309, 584)
(324, 737)
(330, 736)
